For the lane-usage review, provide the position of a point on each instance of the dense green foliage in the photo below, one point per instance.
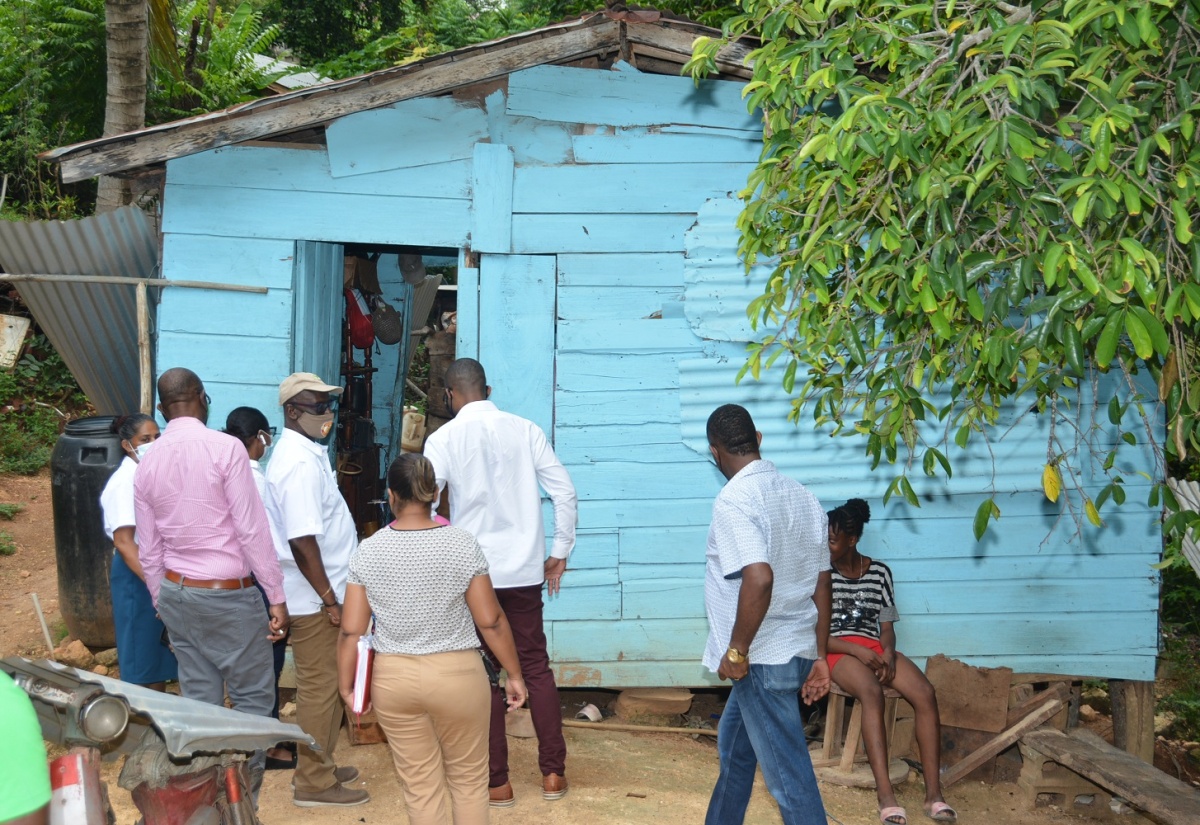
(319, 30)
(1181, 651)
(974, 202)
(51, 93)
(345, 39)
(437, 27)
(218, 69)
(52, 84)
(36, 399)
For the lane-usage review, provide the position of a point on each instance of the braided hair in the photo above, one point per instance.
(731, 427)
(850, 517)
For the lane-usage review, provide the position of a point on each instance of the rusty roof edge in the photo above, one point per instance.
(111, 155)
(62, 153)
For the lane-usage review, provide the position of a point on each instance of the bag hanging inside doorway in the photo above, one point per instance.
(388, 324)
(362, 331)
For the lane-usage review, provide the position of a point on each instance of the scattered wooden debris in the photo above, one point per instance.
(1163, 797)
(1005, 739)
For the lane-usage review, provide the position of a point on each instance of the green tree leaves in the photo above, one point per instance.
(997, 199)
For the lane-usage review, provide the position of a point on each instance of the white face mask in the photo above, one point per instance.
(266, 444)
(141, 450)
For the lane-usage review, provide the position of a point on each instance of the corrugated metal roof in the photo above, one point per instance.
(93, 326)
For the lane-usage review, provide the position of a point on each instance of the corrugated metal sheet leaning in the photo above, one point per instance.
(93, 326)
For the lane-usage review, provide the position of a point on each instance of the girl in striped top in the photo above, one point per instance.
(863, 659)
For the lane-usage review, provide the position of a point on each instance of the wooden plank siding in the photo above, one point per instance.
(607, 304)
(236, 342)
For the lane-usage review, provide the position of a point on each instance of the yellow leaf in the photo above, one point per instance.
(1051, 482)
(1093, 515)
(956, 25)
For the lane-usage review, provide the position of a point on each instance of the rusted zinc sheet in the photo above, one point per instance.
(93, 326)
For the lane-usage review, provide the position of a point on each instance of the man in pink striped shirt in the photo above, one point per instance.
(202, 531)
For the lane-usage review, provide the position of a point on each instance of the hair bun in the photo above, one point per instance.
(860, 509)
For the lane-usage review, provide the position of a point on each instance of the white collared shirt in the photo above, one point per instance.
(494, 462)
(116, 502)
(305, 488)
(274, 514)
(761, 516)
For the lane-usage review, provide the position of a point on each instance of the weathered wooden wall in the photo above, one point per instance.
(608, 306)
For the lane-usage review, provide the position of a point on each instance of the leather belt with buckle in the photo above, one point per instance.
(210, 584)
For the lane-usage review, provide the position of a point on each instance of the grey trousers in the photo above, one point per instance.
(220, 640)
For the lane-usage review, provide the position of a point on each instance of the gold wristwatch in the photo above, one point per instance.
(735, 656)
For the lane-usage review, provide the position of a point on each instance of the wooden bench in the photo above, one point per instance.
(1112, 772)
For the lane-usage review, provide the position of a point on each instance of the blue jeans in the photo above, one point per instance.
(761, 724)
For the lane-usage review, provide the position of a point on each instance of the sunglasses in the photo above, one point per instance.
(319, 408)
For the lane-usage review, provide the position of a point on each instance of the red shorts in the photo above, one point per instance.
(862, 641)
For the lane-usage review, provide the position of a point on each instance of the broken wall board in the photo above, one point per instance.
(627, 98)
(970, 697)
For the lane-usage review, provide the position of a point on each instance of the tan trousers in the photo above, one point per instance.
(319, 708)
(435, 711)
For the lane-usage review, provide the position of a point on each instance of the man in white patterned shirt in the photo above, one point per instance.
(767, 593)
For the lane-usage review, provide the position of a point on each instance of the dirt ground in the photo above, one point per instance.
(622, 778)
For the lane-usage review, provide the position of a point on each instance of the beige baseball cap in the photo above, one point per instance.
(298, 382)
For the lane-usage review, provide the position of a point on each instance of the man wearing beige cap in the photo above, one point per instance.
(321, 535)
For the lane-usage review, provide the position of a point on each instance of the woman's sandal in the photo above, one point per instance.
(941, 812)
(894, 815)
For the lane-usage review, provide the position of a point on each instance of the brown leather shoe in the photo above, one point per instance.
(501, 796)
(554, 787)
(338, 796)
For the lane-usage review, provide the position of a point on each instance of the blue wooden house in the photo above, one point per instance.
(588, 194)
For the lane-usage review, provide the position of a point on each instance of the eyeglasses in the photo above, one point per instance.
(207, 400)
(319, 408)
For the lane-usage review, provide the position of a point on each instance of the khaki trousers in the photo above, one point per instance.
(435, 711)
(319, 708)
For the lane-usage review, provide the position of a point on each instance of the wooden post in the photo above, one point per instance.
(145, 373)
(1133, 717)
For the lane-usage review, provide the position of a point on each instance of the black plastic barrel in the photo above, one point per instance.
(83, 459)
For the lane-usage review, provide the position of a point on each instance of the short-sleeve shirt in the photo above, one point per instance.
(416, 583)
(760, 516)
(274, 516)
(859, 605)
(26, 785)
(305, 488)
(116, 501)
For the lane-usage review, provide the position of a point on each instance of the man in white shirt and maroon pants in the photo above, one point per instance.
(493, 464)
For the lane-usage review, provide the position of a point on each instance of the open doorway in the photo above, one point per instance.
(393, 301)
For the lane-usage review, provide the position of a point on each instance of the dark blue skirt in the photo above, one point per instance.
(142, 654)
